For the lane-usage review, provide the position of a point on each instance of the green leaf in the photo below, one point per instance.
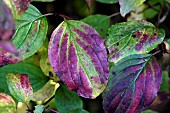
(7, 104)
(36, 76)
(165, 81)
(44, 93)
(99, 22)
(39, 109)
(127, 5)
(30, 33)
(20, 87)
(151, 13)
(67, 100)
(108, 1)
(149, 111)
(134, 37)
(79, 111)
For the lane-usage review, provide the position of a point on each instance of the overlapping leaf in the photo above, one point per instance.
(108, 1)
(20, 87)
(18, 7)
(7, 104)
(99, 22)
(66, 100)
(39, 108)
(134, 37)
(78, 56)
(127, 5)
(36, 76)
(31, 30)
(133, 84)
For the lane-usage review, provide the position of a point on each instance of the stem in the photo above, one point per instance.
(156, 52)
(114, 14)
(52, 110)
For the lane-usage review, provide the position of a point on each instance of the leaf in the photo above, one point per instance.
(133, 84)
(39, 109)
(43, 0)
(7, 104)
(79, 111)
(108, 1)
(99, 22)
(30, 33)
(89, 3)
(20, 87)
(18, 7)
(67, 100)
(6, 22)
(44, 93)
(36, 76)
(78, 57)
(165, 81)
(150, 12)
(149, 111)
(127, 5)
(134, 37)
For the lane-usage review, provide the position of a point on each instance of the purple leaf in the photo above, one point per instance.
(78, 57)
(133, 84)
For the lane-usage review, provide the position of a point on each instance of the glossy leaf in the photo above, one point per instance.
(6, 22)
(20, 87)
(99, 22)
(108, 1)
(67, 100)
(39, 109)
(78, 57)
(127, 5)
(44, 93)
(18, 7)
(134, 37)
(7, 104)
(36, 76)
(133, 84)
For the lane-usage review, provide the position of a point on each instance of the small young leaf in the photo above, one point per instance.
(18, 7)
(134, 37)
(7, 104)
(36, 76)
(108, 1)
(133, 84)
(127, 5)
(44, 93)
(6, 22)
(78, 56)
(20, 87)
(99, 22)
(39, 109)
(67, 100)
(30, 33)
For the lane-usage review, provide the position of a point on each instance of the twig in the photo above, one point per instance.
(45, 103)
(114, 14)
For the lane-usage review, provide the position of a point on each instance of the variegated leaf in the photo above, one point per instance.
(78, 56)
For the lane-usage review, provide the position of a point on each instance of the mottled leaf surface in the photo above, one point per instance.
(39, 109)
(7, 104)
(78, 56)
(99, 22)
(127, 5)
(19, 87)
(67, 100)
(30, 33)
(6, 22)
(134, 37)
(108, 1)
(133, 84)
(18, 7)
(36, 76)
(44, 93)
